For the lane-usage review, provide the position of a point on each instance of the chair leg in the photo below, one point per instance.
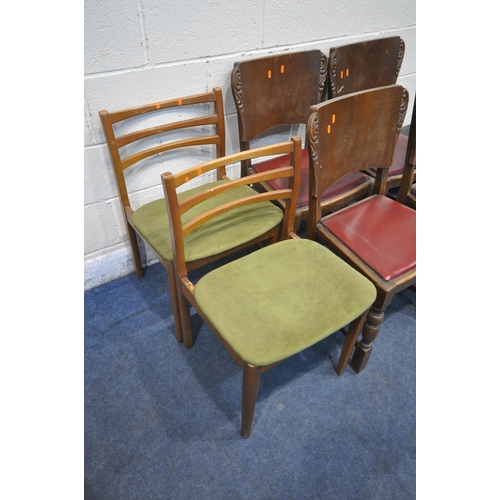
(250, 387)
(349, 342)
(175, 300)
(136, 254)
(187, 333)
(363, 348)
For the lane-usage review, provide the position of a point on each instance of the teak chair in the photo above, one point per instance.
(276, 91)
(408, 190)
(150, 221)
(366, 65)
(375, 235)
(277, 301)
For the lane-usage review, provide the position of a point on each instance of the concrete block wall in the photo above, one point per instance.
(142, 51)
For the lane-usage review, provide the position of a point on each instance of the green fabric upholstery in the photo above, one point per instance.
(222, 233)
(281, 299)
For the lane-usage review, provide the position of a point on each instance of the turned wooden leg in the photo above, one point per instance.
(174, 300)
(350, 340)
(363, 348)
(250, 387)
(136, 254)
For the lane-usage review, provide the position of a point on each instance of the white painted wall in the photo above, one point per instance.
(142, 51)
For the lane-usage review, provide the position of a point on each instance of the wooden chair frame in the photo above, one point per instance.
(251, 374)
(121, 163)
(385, 289)
(175, 209)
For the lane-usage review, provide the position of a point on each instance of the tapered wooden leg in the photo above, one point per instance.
(136, 254)
(363, 348)
(187, 333)
(250, 387)
(175, 301)
(350, 340)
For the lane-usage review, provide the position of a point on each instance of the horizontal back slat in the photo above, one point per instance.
(194, 141)
(276, 149)
(118, 116)
(194, 200)
(167, 127)
(279, 194)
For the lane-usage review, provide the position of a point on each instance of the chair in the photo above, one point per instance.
(408, 190)
(375, 235)
(272, 303)
(276, 91)
(132, 141)
(365, 65)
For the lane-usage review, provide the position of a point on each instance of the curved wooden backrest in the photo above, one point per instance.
(277, 90)
(171, 182)
(357, 131)
(122, 160)
(364, 65)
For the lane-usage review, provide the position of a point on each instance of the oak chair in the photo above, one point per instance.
(408, 190)
(375, 235)
(276, 91)
(275, 302)
(134, 144)
(365, 65)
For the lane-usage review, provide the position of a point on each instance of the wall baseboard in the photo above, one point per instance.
(102, 268)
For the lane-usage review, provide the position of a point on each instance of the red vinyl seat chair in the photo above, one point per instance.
(277, 91)
(377, 235)
(364, 65)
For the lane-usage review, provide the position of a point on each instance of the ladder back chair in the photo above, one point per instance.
(377, 235)
(366, 65)
(272, 303)
(277, 91)
(150, 221)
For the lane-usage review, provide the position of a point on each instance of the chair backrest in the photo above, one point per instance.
(277, 90)
(411, 157)
(179, 230)
(131, 147)
(354, 132)
(364, 65)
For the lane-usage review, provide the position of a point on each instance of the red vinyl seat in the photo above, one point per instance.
(372, 229)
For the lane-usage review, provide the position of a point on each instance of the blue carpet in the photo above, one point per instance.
(162, 421)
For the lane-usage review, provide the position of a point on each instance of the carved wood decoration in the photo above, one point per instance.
(401, 54)
(403, 108)
(236, 86)
(332, 72)
(323, 77)
(238, 100)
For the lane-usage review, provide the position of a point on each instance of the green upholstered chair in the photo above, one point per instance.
(272, 303)
(377, 235)
(141, 137)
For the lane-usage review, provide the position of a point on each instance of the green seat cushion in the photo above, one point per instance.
(281, 299)
(222, 233)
